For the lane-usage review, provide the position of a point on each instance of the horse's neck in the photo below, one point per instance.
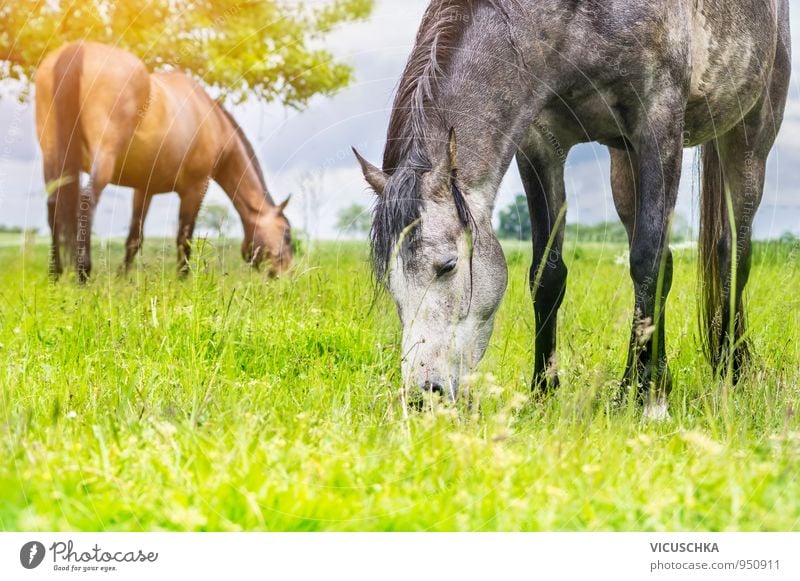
(238, 177)
(488, 97)
(485, 148)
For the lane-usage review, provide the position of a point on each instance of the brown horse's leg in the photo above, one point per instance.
(50, 177)
(191, 199)
(141, 205)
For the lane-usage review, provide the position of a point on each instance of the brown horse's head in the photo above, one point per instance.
(270, 240)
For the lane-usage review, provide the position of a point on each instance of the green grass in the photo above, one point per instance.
(219, 403)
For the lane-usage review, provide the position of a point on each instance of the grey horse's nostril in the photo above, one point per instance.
(433, 387)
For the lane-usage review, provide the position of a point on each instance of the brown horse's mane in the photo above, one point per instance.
(248, 147)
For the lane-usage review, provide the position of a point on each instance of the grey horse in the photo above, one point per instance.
(489, 80)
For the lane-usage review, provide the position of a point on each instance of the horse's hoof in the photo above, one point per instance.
(656, 411)
(543, 387)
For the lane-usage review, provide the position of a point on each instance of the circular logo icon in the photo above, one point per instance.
(32, 554)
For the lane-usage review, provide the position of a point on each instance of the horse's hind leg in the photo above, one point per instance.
(542, 172)
(56, 268)
(624, 181)
(742, 157)
(733, 183)
(50, 178)
(744, 174)
(141, 205)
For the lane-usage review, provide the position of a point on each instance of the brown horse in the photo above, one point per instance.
(99, 110)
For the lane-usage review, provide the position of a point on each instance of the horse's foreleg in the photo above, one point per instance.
(141, 205)
(191, 200)
(83, 247)
(660, 154)
(543, 179)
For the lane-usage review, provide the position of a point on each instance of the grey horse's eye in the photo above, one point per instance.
(447, 266)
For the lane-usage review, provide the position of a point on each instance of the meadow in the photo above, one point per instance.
(219, 403)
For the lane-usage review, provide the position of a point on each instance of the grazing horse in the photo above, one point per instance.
(99, 110)
(489, 80)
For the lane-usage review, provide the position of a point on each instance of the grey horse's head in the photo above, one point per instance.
(434, 248)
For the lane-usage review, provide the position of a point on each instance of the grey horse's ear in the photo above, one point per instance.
(446, 169)
(376, 178)
(283, 204)
(452, 151)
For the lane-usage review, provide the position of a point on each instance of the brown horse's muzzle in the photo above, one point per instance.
(277, 264)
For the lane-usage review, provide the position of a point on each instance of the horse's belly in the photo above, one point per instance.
(154, 159)
(714, 112)
(144, 166)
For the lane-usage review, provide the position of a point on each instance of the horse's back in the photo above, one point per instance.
(179, 138)
(718, 53)
(732, 55)
(159, 131)
(622, 56)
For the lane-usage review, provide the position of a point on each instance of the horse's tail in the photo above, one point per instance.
(69, 141)
(712, 220)
(712, 244)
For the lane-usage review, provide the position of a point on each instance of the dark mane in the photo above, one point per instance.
(441, 30)
(249, 150)
(413, 113)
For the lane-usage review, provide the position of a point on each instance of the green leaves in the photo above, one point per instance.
(354, 219)
(515, 223)
(340, 11)
(267, 49)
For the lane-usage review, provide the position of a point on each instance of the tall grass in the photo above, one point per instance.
(221, 403)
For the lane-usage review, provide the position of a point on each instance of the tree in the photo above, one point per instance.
(214, 216)
(515, 223)
(267, 49)
(355, 219)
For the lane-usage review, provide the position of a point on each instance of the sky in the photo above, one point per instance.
(307, 153)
